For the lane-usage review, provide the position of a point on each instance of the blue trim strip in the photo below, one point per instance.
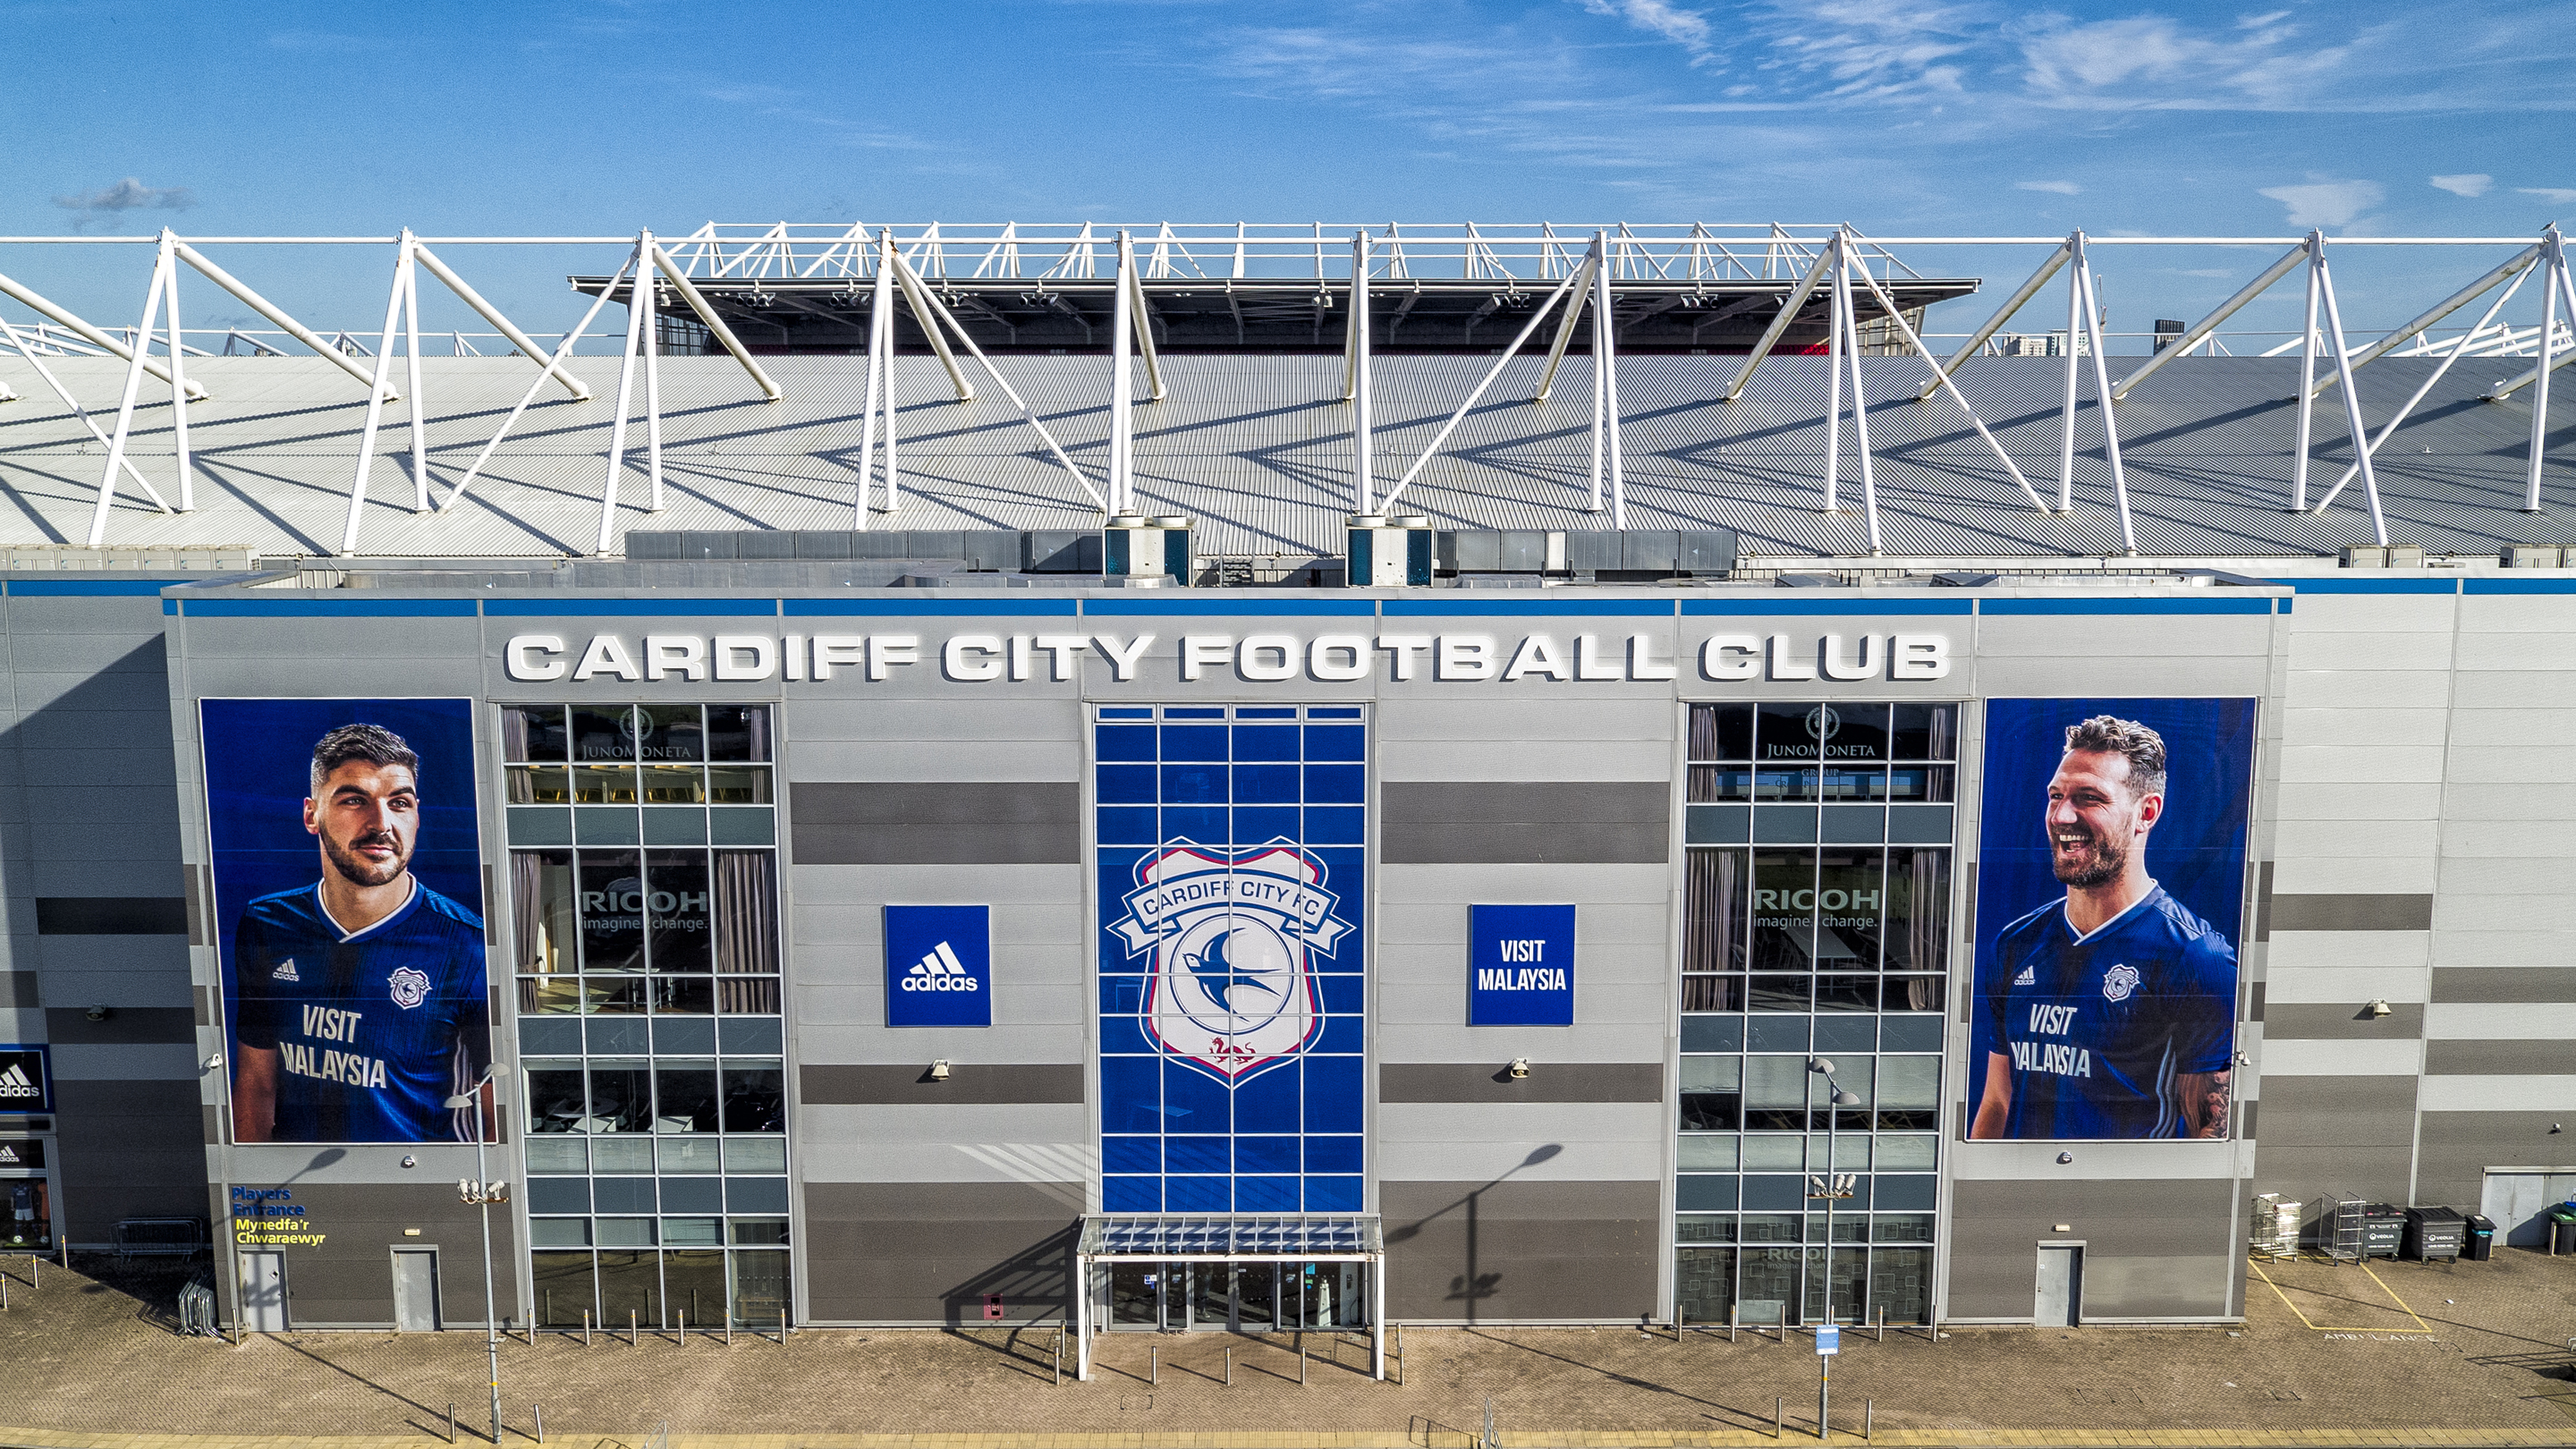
(1828, 607)
(931, 608)
(2124, 606)
(1229, 608)
(375, 608)
(90, 588)
(169, 606)
(648, 608)
(2370, 586)
(2519, 586)
(1526, 608)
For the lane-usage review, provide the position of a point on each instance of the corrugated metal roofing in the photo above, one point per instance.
(1257, 449)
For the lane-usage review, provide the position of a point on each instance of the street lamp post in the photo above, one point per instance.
(483, 1192)
(1836, 1096)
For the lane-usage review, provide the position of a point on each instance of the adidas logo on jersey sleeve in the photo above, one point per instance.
(940, 971)
(285, 971)
(2029, 976)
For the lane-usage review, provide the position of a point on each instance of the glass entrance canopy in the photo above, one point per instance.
(1117, 1241)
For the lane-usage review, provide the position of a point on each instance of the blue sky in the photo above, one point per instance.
(1901, 116)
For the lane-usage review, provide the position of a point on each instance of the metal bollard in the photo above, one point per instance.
(1399, 1355)
(634, 1330)
(585, 1328)
(4, 1295)
(451, 1421)
(1678, 1317)
(540, 1411)
(728, 1330)
(1153, 1366)
(684, 1327)
(1777, 1410)
(1301, 1360)
(1865, 1415)
(1732, 1316)
(1059, 1358)
(782, 1328)
(1229, 1366)
(1882, 1323)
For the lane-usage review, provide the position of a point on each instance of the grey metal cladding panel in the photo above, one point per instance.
(2352, 913)
(124, 1026)
(18, 989)
(1453, 823)
(2304, 1021)
(322, 644)
(886, 1252)
(909, 1085)
(1534, 1250)
(127, 616)
(141, 691)
(2337, 1111)
(2458, 1148)
(112, 915)
(1549, 1082)
(1572, 720)
(2456, 1058)
(2304, 1174)
(963, 823)
(1996, 1228)
(2503, 984)
(870, 720)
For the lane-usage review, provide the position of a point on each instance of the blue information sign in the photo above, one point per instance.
(1520, 965)
(939, 965)
(1829, 1339)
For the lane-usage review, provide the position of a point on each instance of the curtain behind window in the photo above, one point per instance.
(1712, 911)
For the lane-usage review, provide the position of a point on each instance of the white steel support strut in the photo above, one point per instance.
(919, 297)
(36, 360)
(2192, 335)
(1355, 376)
(554, 365)
(2554, 289)
(646, 294)
(2351, 402)
(272, 312)
(2553, 250)
(1771, 335)
(1605, 370)
(2074, 372)
(1994, 324)
(1941, 379)
(2425, 388)
(2316, 253)
(879, 394)
(1537, 315)
(377, 392)
(1122, 408)
(43, 306)
(178, 375)
(2423, 321)
(428, 260)
(413, 402)
(125, 403)
(706, 311)
(1835, 300)
(1581, 280)
(940, 317)
(2102, 400)
(625, 396)
(1860, 396)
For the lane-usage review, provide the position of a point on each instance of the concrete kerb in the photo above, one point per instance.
(2468, 1438)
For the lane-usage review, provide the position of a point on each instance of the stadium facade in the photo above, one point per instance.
(1000, 911)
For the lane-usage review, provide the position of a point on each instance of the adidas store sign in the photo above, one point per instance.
(23, 1080)
(939, 965)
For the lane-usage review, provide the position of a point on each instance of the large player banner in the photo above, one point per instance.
(2110, 899)
(1232, 854)
(347, 903)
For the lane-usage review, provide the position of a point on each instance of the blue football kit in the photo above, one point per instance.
(374, 1029)
(2097, 1027)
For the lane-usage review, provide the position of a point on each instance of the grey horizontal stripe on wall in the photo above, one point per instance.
(2352, 913)
(2262, 901)
(2503, 984)
(18, 988)
(1442, 822)
(943, 823)
(111, 915)
(1547, 1082)
(2337, 1021)
(968, 1085)
(2500, 1058)
(122, 1026)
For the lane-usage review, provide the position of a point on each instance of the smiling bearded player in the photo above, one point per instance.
(2112, 1009)
(361, 997)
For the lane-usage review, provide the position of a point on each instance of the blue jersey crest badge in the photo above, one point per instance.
(1231, 988)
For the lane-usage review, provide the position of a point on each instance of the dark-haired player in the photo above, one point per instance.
(360, 999)
(2112, 1009)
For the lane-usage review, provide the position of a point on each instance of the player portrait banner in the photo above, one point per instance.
(347, 903)
(2110, 912)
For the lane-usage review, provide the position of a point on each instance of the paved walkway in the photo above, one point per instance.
(84, 1365)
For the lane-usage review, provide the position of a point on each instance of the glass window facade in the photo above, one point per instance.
(1814, 969)
(1233, 861)
(645, 941)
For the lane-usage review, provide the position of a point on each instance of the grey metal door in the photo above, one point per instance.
(416, 1290)
(2059, 1302)
(263, 1292)
(2520, 1201)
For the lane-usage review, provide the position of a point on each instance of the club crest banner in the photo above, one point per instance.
(1230, 986)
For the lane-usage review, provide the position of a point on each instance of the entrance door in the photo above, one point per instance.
(2520, 1201)
(1211, 1295)
(2060, 1299)
(416, 1290)
(263, 1292)
(1135, 1297)
(1256, 1287)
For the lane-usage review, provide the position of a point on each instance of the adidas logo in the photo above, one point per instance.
(940, 971)
(285, 971)
(2029, 976)
(16, 1083)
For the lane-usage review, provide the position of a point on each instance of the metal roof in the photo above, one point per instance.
(1256, 449)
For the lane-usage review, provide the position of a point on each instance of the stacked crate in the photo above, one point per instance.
(2276, 1227)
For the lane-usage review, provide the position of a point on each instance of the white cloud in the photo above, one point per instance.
(2326, 203)
(2554, 195)
(1688, 29)
(2062, 188)
(2472, 183)
(105, 204)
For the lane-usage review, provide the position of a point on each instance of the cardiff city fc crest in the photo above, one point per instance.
(1230, 986)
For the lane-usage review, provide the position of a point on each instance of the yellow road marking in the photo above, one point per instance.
(2420, 1325)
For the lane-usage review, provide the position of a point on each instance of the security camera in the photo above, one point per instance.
(1520, 1068)
(939, 1070)
(98, 1013)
